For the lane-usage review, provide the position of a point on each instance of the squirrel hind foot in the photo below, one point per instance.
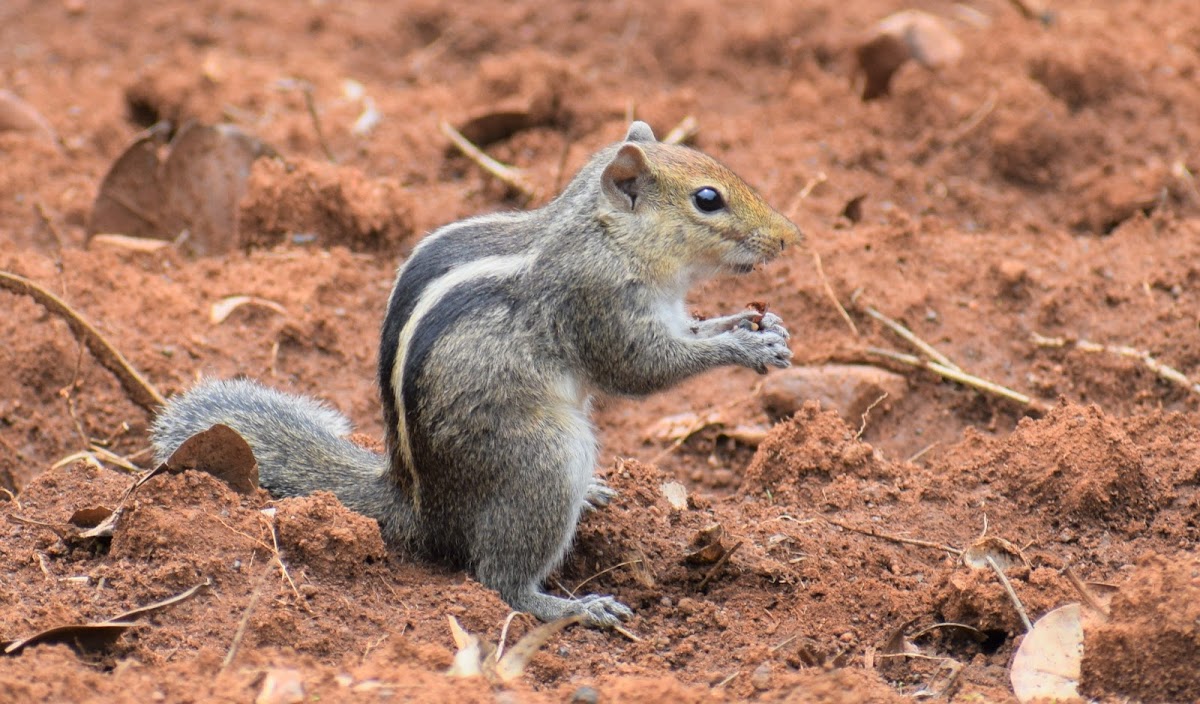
(595, 610)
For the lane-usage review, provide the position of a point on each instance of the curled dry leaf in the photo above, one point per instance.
(478, 658)
(1048, 663)
(90, 517)
(711, 548)
(194, 189)
(221, 452)
(224, 307)
(682, 426)
(98, 636)
(1006, 555)
(909, 34)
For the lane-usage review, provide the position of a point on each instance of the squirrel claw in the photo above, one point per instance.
(598, 495)
(603, 611)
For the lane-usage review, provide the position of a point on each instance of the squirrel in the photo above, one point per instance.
(498, 331)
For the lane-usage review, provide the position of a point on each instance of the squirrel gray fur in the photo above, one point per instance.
(498, 331)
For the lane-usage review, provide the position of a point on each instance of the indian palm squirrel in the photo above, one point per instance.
(499, 329)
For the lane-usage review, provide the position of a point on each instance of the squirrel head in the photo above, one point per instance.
(684, 213)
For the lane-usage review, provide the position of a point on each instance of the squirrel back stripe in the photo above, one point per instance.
(433, 293)
(440, 251)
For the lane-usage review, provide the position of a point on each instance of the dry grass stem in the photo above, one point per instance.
(862, 428)
(1012, 594)
(833, 296)
(682, 133)
(718, 566)
(603, 572)
(139, 390)
(894, 538)
(962, 378)
(1165, 372)
(510, 176)
(1085, 594)
(910, 337)
(310, 103)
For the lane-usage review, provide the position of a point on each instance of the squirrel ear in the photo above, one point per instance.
(640, 132)
(626, 176)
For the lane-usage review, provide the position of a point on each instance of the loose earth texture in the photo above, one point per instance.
(1027, 205)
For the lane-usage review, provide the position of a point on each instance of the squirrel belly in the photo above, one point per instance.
(498, 331)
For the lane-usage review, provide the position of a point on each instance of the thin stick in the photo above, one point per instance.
(833, 296)
(961, 377)
(1164, 372)
(894, 538)
(603, 572)
(863, 427)
(717, 567)
(1012, 594)
(244, 622)
(310, 103)
(510, 176)
(1084, 592)
(927, 349)
(921, 453)
(139, 390)
(627, 633)
(687, 128)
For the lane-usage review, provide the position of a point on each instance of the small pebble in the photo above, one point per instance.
(585, 695)
(760, 679)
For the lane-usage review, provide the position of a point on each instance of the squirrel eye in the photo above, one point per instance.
(708, 200)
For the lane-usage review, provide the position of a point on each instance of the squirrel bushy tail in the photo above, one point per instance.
(300, 444)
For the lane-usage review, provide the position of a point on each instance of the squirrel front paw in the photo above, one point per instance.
(593, 610)
(765, 347)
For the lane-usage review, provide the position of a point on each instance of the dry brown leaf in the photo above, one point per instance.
(92, 637)
(194, 189)
(512, 664)
(711, 548)
(1006, 555)
(90, 517)
(909, 34)
(1048, 663)
(221, 452)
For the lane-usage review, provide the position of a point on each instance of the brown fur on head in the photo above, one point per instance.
(688, 212)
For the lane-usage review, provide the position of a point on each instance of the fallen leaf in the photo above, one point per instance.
(681, 426)
(512, 664)
(711, 548)
(908, 34)
(82, 638)
(1048, 662)
(90, 517)
(676, 495)
(221, 452)
(93, 637)
(194, 189)
(470, 656)
(224, 307)
(1006, 555)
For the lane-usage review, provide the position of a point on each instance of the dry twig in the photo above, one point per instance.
(510, 176)
(862, 428)
(894, 538)
(833, 296)
(719, 564)
(1012, 594)
(687, 128)
(911, 338)
(1164, 371)
(962, 378)
(139, 390)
